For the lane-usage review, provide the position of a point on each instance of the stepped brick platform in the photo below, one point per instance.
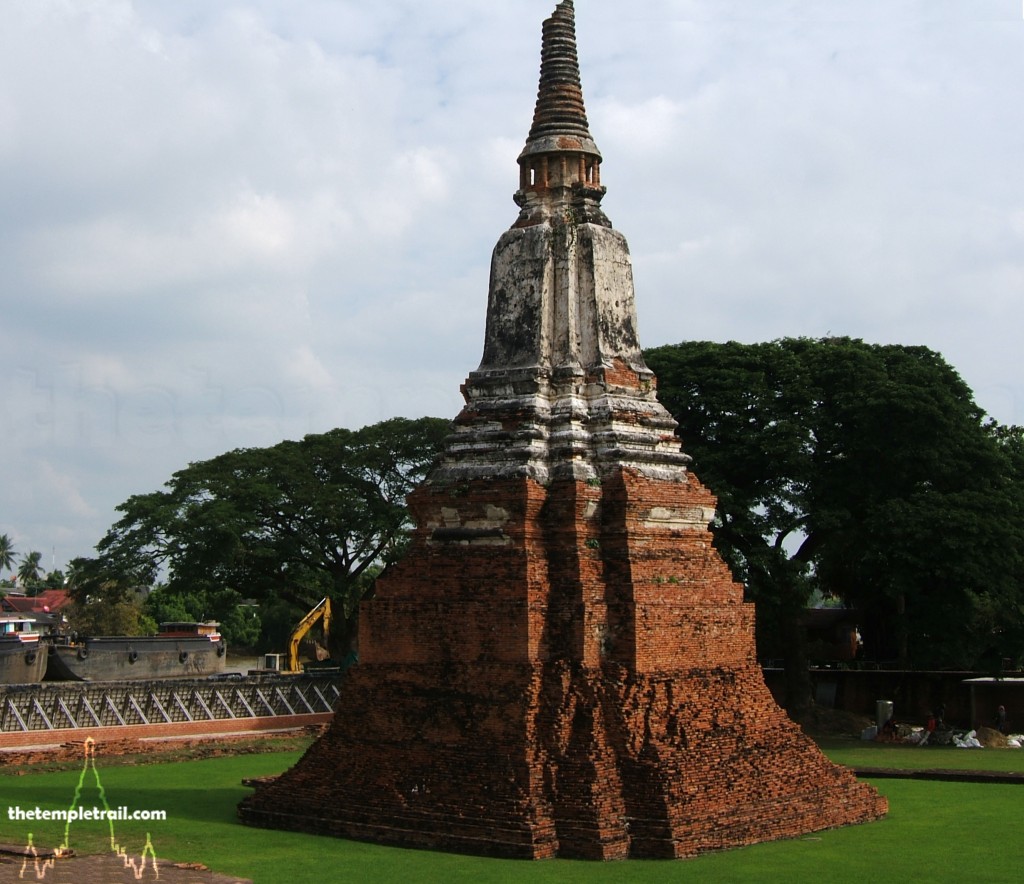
(521, 694)
(562, 664)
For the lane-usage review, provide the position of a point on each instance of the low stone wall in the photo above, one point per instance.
(177, 729)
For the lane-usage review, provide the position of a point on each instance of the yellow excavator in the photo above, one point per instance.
(320, 612)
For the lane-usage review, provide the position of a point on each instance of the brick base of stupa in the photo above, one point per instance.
(567, 671)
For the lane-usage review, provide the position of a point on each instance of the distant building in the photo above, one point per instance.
(47, 607)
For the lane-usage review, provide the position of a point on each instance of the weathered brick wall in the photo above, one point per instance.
(565, 670)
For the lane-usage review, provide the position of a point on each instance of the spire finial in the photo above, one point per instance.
(560, 118)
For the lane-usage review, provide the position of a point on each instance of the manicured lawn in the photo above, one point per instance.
(934, 832)
(858, 753)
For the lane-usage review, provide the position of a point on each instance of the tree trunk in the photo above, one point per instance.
(799, 693)
(902, 631)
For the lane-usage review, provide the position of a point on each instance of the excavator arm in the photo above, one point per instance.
(322, 612)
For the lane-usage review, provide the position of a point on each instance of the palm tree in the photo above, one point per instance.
(6, 553)
(77, 570)
(29, 569)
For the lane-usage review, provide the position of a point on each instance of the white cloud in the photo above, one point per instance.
(59, 491)
(110, 256)
(223, 224)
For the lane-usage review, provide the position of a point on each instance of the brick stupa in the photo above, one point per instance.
(562, 665)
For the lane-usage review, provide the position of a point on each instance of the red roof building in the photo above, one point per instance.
(49, 601)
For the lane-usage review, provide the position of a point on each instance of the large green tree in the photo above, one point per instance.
(290, 523)
(865, 472)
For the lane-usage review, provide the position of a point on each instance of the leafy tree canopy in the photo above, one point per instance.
(293, 522)
(125, 616)
(865, 472)
(105, 603)
(239, 619)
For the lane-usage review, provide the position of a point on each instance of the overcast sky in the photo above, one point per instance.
(224, 224)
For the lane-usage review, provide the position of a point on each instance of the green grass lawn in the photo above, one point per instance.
(934, 831)
(860, 753)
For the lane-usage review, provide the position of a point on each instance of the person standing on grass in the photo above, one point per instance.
(1001, 719)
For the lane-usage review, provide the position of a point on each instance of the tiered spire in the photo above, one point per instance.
(562, 388)
(560, 119)
(560, 166)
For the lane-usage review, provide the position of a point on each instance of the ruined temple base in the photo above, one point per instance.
(563, 670)
(613, 774)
